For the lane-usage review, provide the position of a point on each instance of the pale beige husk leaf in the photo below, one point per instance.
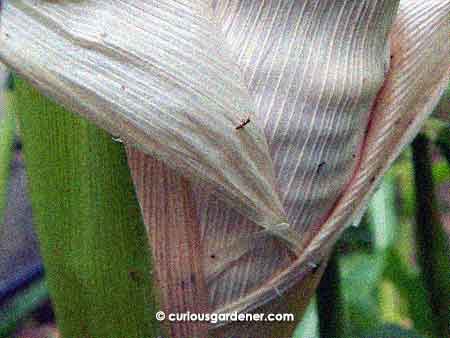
(319, 71)
(314, 69)
(155, 75)
(330, 110)
(418, 75)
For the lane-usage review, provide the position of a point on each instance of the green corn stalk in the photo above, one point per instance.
(88, 221)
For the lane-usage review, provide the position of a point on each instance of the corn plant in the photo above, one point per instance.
(238, 138)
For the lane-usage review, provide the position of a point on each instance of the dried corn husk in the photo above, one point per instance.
(249, 268)
(314, 69)
(175, 240)
(155, 75)
(330, 110)
(419, 73)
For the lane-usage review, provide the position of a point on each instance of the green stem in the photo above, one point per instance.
(431, 241)
(410, 287)
(329, 301)
(88, 221)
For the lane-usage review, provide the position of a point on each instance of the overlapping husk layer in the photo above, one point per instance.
(331, 91)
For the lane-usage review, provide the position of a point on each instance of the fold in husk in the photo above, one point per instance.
(158, 76)
(178, 258)
(351, 113)
(314, 69)
(419, 73)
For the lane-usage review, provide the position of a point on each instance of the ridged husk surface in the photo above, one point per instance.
(333, 90)
(336, 111)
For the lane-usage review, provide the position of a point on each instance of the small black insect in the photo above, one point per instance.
(243, 124)
(320, 167)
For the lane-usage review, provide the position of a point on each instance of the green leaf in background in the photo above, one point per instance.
(441, 172)
(308, 327)
(385, 226)
(402, 295)
(383, 214)
(360, 275)
(403, 171)
(88, 221)
(410, 287)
